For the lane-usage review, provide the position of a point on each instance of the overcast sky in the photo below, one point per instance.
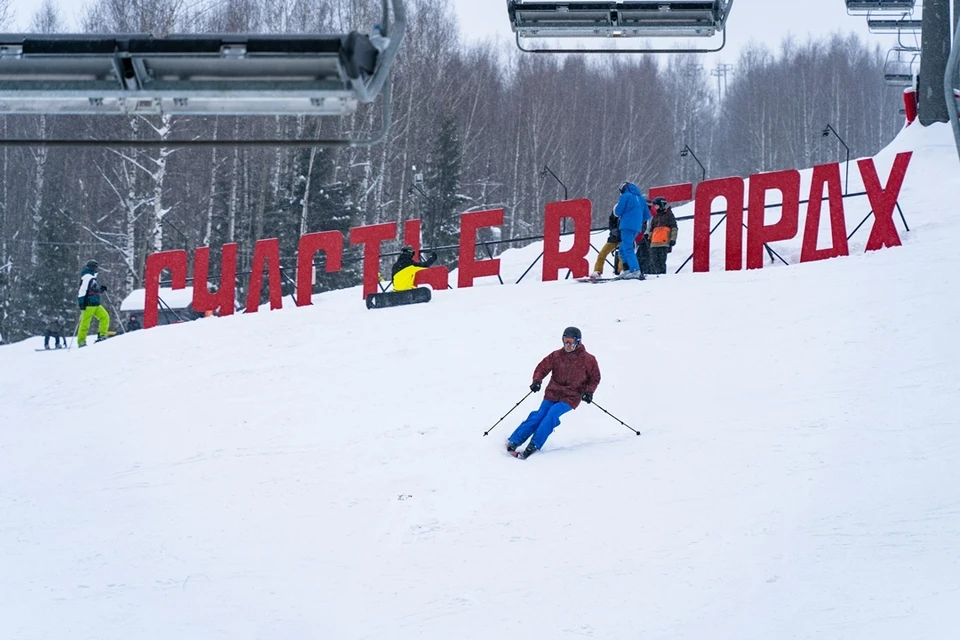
(766, 21)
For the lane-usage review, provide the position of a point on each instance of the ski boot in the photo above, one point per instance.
(526, 453)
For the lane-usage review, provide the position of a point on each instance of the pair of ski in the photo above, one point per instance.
(601, 280)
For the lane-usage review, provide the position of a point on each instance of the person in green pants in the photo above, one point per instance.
(89, 300)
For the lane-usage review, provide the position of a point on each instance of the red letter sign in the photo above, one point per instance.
(883, 200)
(176, 262)
(370, 237)
(223, 300)
(470, 268)
(673, 192)
(263, 251)
(731, 189)
(331, 243)
(437, 277)
(758, 233)
(829, 175)
(575, 258)
(411, 235)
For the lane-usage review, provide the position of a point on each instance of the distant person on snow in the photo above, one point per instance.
(613, 241)
(132, 324)
(663, 235)
(405, 268)
(574, 377)
(55, 330)
(633, 212)
(89, 300)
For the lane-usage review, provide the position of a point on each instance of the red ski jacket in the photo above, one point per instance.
(572, 375)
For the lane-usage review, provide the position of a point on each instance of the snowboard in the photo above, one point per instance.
(398, 298)
(52, 349)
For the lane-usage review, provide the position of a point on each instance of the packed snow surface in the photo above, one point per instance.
(321, 472)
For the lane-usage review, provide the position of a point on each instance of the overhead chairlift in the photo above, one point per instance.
(636, 19)
(863, 7)
(901, 66)
(200, 74)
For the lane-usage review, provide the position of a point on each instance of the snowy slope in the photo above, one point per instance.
(320, 473)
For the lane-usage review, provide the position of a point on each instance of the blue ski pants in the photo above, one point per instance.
(628, 248)
(540, 423)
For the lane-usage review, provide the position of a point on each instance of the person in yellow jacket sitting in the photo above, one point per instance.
(406, 267)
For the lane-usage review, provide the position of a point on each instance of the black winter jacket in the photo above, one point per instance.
(406, 260)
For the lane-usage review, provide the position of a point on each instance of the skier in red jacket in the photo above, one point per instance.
(575, 376)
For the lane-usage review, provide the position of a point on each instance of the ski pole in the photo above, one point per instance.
(75, 331)
(123, 329)
(508, 413)
(615, 418)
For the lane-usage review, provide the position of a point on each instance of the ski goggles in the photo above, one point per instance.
(570, 342)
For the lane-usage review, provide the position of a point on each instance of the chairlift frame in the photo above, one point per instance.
(616, 20)
(207, 74)
(951, 85)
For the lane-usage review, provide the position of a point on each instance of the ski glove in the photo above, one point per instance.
(535, 387)
(587, 397)
(103, 288)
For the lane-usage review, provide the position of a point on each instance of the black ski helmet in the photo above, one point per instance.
(406, 249)
(93, 265)
(572, 332)
(623, 186)
(661, 202)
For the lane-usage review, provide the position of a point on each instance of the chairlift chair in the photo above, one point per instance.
(204, 74)
(630, 19)
(863, 7)
(901, 66)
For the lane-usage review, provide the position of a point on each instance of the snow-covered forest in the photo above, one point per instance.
(479, 121)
